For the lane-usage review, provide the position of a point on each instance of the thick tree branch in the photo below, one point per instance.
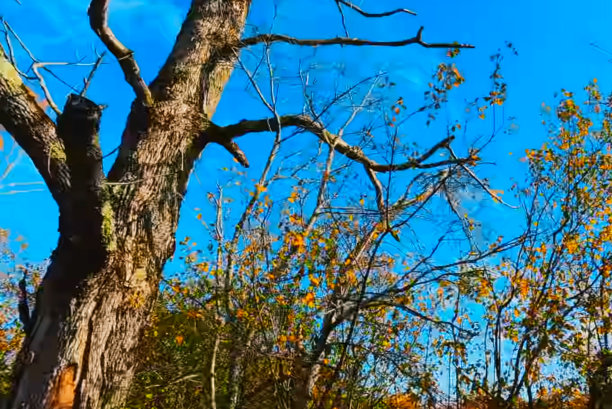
(231, 146)
(366, 14)
(33, 130)
(223, 135)
(98, 19)
(81, 221)
(78, 127)
(380, 201)
(276, 38)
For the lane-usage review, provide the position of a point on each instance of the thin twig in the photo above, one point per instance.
(470, 172)
(21, 43)
(341, 11)
(43, 86)
(91, 73)
(366, 14)
(375, 15)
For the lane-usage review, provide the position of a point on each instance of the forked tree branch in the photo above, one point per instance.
(366, 14)
(224, 135)
(276, 38)
(45, 89)
(98, 19)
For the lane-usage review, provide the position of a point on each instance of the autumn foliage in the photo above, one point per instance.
(310, 295)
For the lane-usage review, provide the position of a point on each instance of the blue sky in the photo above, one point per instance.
(552, 39)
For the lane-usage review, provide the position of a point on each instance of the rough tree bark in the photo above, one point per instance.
(117, 231)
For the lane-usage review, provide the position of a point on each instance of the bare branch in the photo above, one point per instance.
(8, 28)
(43, 86)
(276, 38)
(227, 133)
(380, 202)
(98, 19)
(341, 11)
(232, 147)
(366, 14)
(394, 304)
(91, 74)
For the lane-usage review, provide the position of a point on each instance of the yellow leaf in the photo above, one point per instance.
(309, 300)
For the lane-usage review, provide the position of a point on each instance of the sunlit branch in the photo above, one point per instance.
(378, 188)
(8, 31)
(367, 14)
(43, 86)
(227, 133)
(276, 38)
(98, 19)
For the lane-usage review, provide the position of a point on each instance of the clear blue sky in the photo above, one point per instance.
(552, 38)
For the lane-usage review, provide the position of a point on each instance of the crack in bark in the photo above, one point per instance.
(84, 366)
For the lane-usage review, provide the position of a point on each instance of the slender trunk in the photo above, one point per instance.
(212, 372)
(237, 367)
(309, 367)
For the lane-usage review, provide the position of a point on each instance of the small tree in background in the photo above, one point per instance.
(319, 293)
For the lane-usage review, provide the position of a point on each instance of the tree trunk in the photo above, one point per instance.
(116, 233)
